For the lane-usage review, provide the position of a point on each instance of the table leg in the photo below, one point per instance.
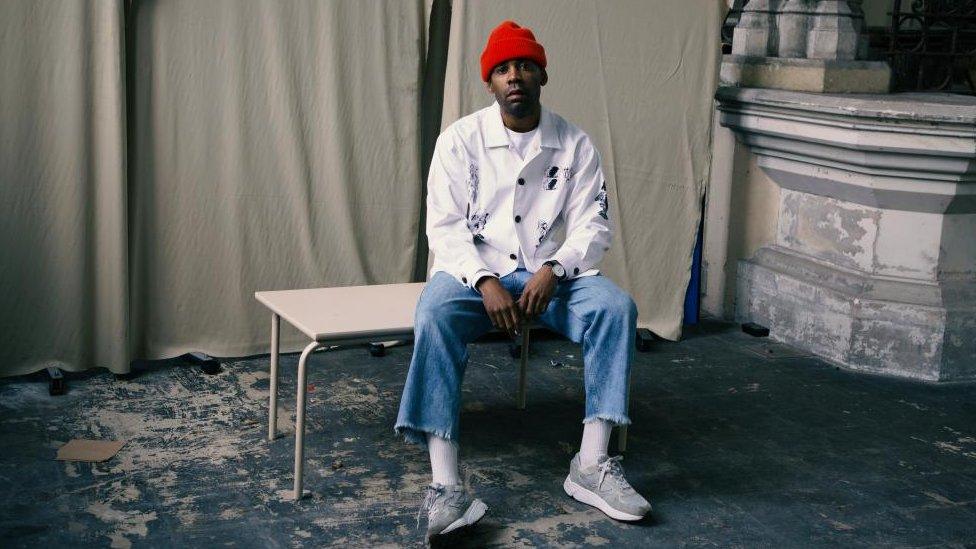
(273, 399)
(523, 362)
(300, 418)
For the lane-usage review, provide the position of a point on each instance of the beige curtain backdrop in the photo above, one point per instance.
(276, 146)
(63, 259)
(638, 77)
(273, 145)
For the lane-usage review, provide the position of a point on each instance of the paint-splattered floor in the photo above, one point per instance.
(736, 442)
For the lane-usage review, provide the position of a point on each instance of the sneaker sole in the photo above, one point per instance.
(472, 515)
(583, 495)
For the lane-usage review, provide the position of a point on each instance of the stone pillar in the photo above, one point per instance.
(874, 262)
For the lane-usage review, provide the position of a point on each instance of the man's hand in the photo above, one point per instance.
(537, 293)
(502, 309)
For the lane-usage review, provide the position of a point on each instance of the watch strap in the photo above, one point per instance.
(553, 263)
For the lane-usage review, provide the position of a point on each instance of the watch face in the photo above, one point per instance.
(558, 270)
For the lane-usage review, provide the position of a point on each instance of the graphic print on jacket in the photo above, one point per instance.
(543, 231)
(476, 224)
(473, 182)
(547, 230)
(554, 174)
(551, 178)
(601, 197)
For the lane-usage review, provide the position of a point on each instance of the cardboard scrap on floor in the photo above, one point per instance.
(89, 450)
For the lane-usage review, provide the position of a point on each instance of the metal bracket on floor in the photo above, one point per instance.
(207, 363)
(755, 330)
(378, 348)
(56, 384)
(515, 350)
(644, 339)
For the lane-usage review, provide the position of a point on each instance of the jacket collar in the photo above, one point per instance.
(493, 130)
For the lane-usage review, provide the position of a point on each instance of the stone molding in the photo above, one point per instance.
(912, 152)
(805, 75)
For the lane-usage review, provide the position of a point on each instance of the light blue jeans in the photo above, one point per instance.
(590, 310)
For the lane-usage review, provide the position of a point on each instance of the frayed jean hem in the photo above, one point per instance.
(418, 435)
(615, 420)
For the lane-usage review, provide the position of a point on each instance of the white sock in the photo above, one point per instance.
(443, 460)
(596, 439)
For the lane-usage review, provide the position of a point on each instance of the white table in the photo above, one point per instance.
(343, 315)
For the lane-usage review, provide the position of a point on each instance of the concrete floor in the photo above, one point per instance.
(737, 442)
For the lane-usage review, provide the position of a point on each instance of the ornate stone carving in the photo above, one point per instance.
(803, 45)
(833, 34)
(792, 23)
(754, 33)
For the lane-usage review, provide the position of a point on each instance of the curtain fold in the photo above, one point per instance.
(638, 77)
(63, 228)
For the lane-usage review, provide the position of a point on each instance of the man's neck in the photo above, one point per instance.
(527, 123)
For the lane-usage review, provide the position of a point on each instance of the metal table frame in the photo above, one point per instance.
(302, 384)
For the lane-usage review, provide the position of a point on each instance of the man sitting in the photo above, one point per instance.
(517, 220)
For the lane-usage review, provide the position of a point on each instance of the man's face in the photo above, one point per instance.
(517, 85)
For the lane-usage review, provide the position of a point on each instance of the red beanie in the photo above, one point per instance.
(510, 41)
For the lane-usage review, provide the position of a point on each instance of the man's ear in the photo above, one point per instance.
(488, 87)
(545, 78)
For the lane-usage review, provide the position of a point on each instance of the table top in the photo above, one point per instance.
(347, 312)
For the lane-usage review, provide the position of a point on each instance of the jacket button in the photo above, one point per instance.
(512, 256)
(496, 274)
(518, 218)
(464, 279)
(576, 270)
(521, 181)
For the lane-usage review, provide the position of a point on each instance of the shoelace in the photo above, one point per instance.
(430, 495)
(612, 467)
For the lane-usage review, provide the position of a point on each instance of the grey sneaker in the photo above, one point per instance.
(603, 486)
(449, 508)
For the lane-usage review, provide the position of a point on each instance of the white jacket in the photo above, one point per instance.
(487, 208)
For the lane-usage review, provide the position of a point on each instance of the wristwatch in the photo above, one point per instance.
(557, 269)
